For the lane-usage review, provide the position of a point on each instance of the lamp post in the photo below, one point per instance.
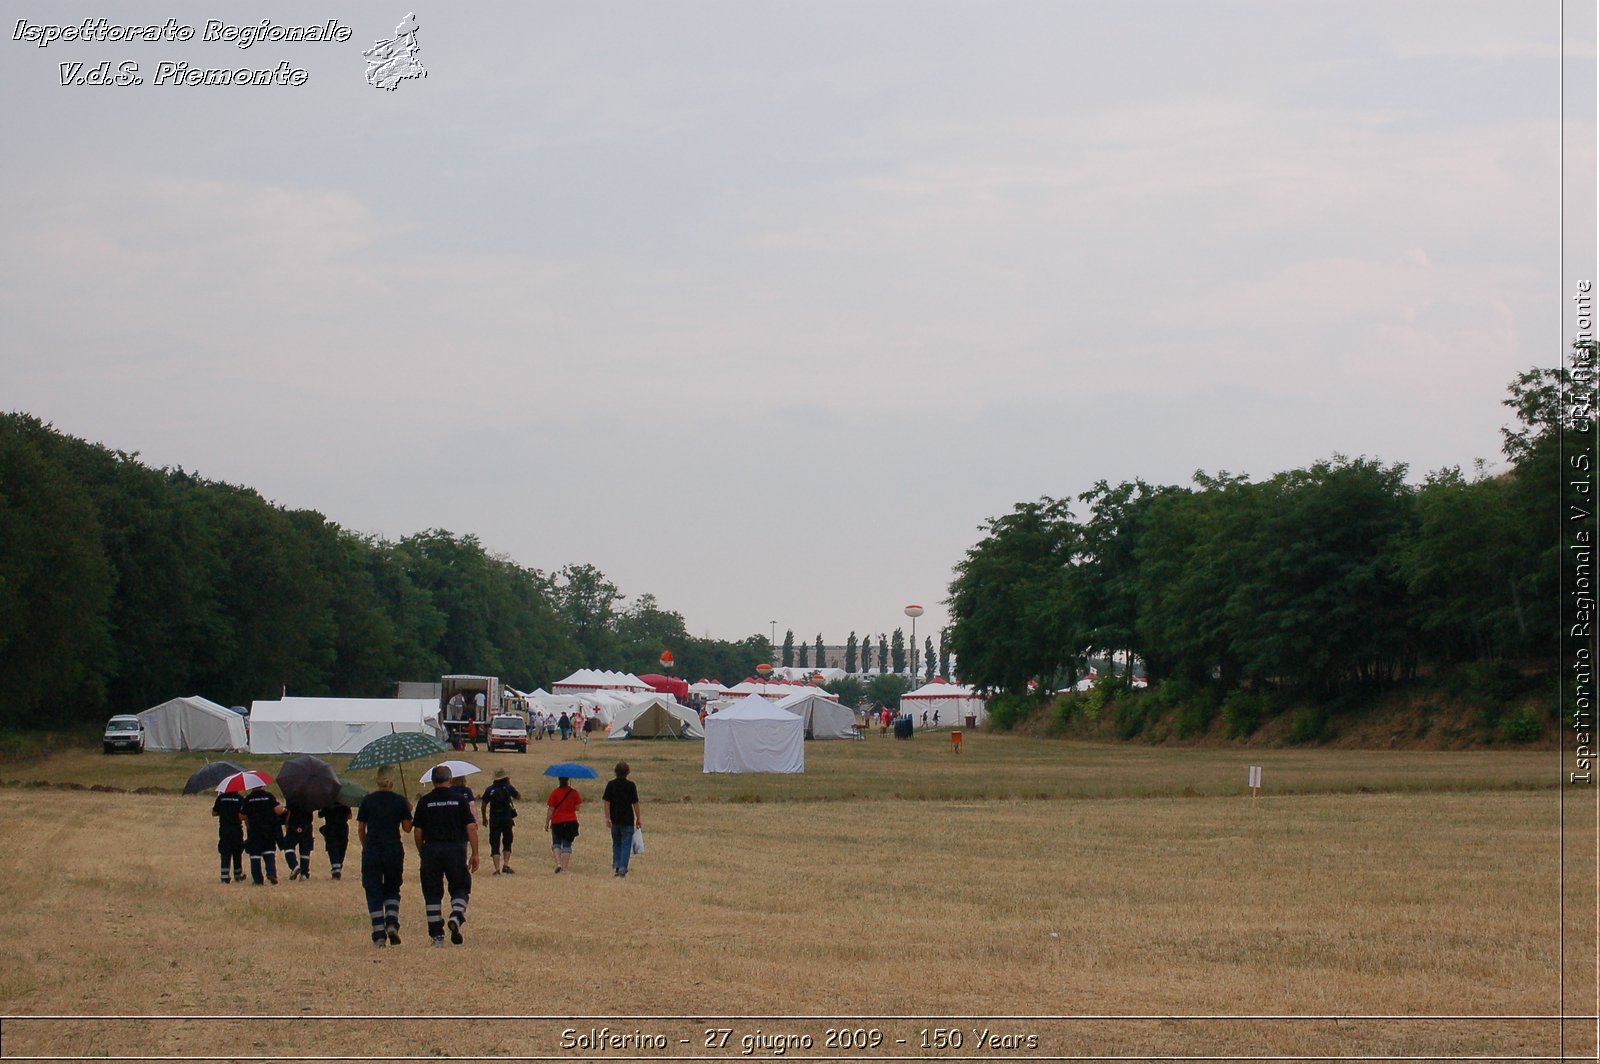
(913, 611)
(774, 642)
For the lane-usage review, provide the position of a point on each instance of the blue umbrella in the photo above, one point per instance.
(572, 770)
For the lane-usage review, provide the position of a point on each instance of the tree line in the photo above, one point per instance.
(1321, 580)
(122, 585)
(892, 654)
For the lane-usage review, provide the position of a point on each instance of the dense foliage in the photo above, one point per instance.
(1337, 577)
(122, 585)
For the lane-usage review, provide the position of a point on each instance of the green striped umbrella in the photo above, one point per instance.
(396, 747)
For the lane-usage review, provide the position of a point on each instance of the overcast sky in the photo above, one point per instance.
(764, 307)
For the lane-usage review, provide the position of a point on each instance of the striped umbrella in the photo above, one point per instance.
(243, 781)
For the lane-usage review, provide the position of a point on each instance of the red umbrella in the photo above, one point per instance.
(243, 781)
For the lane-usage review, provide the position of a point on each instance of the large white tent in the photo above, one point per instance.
(335, 725)
(193, 723)
(753, 735)
(953, 702)
(822, 716)
(598, 680)
(657, 717)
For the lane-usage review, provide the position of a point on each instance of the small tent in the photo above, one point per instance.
(822, 717)
(953, 702)
(297, 725)
(753, 735)
(193, 723)
(657, 717)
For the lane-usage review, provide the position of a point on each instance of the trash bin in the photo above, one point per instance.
(972, 720)
(902, 727)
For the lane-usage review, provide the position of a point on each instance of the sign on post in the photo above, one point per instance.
(1255, 781)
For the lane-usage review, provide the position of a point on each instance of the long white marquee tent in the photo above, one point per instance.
(598, 680)
(296, 725)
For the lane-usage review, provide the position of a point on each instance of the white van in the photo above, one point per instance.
(124, 733)
(510, 732)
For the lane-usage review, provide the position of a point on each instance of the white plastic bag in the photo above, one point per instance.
(638, 840)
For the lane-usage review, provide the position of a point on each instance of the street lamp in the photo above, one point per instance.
(913, 611)
(774, 643)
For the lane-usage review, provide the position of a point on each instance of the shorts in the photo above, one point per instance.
(562, 834)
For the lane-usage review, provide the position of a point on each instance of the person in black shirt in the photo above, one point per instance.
(261, 813)
(229, 810)
(442, 826)
(335, 833)
(383, 815)
(297, 841)
(499, 810)
(622, 817)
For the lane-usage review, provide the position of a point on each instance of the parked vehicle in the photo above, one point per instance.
(508, 732)
(124, 733)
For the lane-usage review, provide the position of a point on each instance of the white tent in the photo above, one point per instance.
(657, 717)
(598, 680)
(823, 718)
(753, 735)
(953, 702)
(335, 725)
(709, 688)
(193, 723)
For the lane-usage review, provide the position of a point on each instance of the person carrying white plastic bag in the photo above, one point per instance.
(623, 818)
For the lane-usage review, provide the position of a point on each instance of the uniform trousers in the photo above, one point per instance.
(381, 873)
(444, 863)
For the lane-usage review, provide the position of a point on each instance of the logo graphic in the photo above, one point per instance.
(393, 61)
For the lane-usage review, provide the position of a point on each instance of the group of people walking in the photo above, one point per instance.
(258, 825)
(444, 828)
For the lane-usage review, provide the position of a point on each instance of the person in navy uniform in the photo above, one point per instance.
(297, 841)
(443, 825)
(261, 813)
(499, 811)
(335, 833)
(382, 816)
(229, 811)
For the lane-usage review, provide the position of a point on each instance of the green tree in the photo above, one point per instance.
(55, 583)
(804, 656)
(1010, 602)
(1460, 567)
(944, 655)
(929, 661)
(645, 630)
(587, 601)
(883, 653)
(897, 651)
(850, 654)
(822, 657)
(886, 689)
(788, 648)
(848, 688)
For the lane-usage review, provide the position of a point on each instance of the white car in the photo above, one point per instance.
(509, 732)
(124, 733)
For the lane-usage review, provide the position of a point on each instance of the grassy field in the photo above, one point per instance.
(892, 879)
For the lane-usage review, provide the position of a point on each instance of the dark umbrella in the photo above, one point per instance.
(308, 782)
(396, 747)
(572, 770)
(351, 794)
(209, 775)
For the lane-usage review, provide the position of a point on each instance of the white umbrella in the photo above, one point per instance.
(457, 769)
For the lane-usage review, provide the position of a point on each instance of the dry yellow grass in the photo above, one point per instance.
(891, 880)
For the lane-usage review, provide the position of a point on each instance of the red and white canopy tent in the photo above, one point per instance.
(953, 702)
